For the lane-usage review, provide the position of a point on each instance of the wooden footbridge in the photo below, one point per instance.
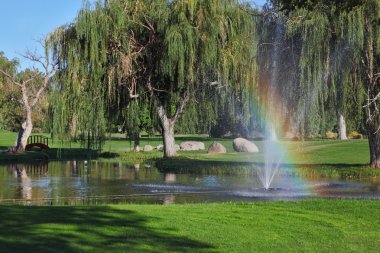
(39, 141)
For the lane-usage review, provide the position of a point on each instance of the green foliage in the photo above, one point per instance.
(9, 109)
(114, 48)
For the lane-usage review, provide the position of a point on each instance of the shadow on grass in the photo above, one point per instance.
(85, 229)
(3, 148)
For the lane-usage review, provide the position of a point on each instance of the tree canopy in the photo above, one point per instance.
(168, 51)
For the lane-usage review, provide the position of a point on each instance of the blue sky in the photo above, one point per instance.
(24, 22)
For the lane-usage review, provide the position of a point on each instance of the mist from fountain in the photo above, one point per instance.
(272, 134)
(272, 155)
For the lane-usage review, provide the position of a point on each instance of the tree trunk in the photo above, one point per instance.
(374, 147)
(342, 132)
(372, 86)
(136, 146)
(168, 136)
(167, 122)
(24, 133)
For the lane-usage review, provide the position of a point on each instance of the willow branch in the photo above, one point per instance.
(181, 104)
(156, 100)
(151, 93)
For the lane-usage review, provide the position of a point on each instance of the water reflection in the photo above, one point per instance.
(73, 167)
(25, 187)
(374, 187)
(84, 182)
(170, 178)
(24, 182)
(137, 169)
(169, 199)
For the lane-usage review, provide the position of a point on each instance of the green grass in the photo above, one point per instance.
(302, 226)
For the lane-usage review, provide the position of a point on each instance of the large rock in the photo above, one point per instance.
(148, 148)
(161, 147)
(192, 145)
(243, 145)
(216, 148)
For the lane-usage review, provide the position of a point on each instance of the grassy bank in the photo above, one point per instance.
(324, 158)
(304, 226)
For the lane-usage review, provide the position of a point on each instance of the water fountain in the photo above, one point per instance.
(272, 155)
(271, 163)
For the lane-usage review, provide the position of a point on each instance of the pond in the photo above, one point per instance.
(93, 182)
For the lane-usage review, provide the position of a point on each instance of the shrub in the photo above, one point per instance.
(355, 135)
(331, 135)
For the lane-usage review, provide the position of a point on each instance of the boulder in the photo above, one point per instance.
(216, 148)
(243, 145)
(148, 148)
(161, 147)
(192, 145)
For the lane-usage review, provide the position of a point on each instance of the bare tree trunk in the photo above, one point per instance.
(31, 91)
(24, 133)
(168, 136)
(168, 123)
(342, 131)
(73, 126)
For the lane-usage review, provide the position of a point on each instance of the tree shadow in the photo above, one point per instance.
(86, 229)
(4, 148)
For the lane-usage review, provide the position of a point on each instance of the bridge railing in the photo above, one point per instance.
(38, 139)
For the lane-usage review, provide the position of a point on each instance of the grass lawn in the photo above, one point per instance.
(301, 226)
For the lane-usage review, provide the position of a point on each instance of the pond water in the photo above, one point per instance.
(82, 182)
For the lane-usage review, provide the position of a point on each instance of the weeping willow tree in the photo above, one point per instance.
(361, 26)
(119, 50)
(341, 46)
(78, 99)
